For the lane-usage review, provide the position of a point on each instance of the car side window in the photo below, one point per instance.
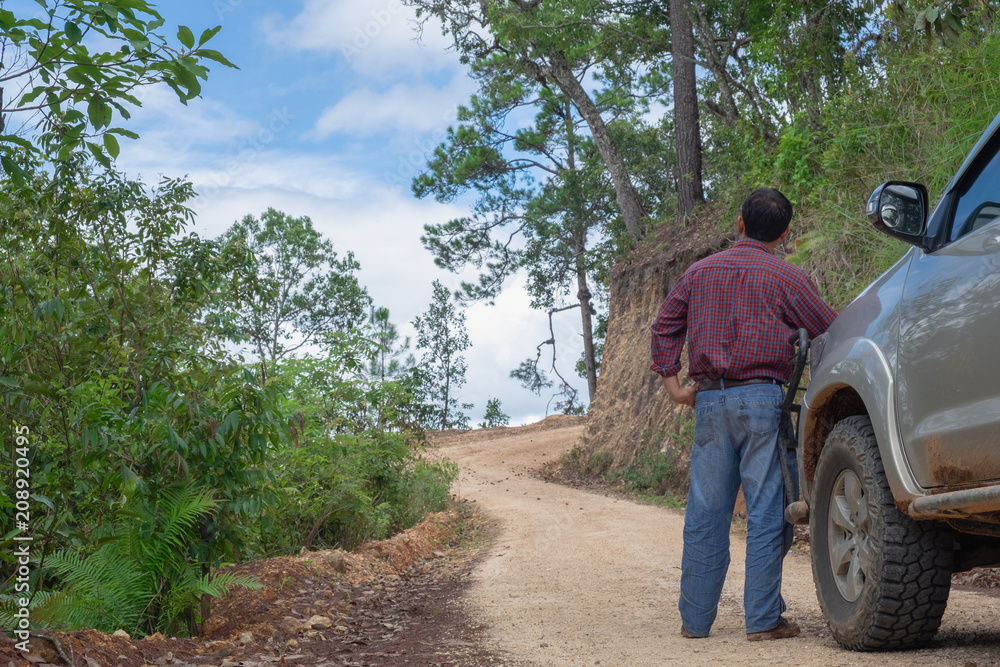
(978, 201)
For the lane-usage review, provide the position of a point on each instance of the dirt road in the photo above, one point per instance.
(578, 578)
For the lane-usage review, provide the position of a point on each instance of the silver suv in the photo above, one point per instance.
(899, 439)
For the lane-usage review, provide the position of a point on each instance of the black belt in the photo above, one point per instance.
(715, 385)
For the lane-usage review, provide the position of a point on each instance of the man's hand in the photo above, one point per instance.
(678, 394)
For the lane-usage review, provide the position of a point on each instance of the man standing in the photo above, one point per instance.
(738, 309)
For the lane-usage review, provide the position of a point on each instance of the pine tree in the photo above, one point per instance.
(389, 362)
(495, 416)
(441, 334)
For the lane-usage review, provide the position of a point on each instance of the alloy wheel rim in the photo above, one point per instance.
(848, 531)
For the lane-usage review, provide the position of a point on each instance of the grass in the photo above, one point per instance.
(588, 463)
(652, 472)
(655, 476)
(427, 490)
(668, 500)
(473, 530)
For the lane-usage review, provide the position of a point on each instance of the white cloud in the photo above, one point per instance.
(315, 176)
(404, 107)
(201, 120)
(504, 335)
(373, 36)
(380, 225)
(176, 139)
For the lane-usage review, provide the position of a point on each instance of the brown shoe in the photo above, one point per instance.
(688, 635)
(783, 630)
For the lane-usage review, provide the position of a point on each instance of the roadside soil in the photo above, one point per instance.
(556, 576)
(395, 602)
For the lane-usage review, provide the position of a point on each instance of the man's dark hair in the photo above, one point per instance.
(766, 214)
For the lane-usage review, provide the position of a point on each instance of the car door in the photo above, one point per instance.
(948, 366)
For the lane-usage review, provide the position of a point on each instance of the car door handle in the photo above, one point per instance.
(991, 243)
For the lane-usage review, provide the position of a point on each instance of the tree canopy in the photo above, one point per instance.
(67, 75)
(302, 289)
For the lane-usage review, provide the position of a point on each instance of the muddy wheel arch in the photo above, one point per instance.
(840, 404)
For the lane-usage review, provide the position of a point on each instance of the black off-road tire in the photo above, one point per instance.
(901, 587)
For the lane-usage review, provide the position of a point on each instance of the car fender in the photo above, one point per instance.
(855, 369)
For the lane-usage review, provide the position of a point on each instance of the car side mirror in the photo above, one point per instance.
(899, 209)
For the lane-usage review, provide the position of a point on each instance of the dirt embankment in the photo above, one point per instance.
(395, 602)
(631, 413)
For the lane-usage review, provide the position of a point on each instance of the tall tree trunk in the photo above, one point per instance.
(447, 386)
(628, 198)
(583, 290)
(586, 312)
(689, 187)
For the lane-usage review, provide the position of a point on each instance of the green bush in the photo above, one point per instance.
(352, 469)
(114, 355)
(352, 489)
(653, 472)
(588, 462)
(142, 579)
(427, 488)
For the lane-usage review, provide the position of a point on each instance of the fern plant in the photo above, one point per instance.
(143, 580)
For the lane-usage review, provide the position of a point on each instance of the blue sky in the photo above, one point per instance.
(332, 112)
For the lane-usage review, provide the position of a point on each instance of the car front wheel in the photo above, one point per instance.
(882, 578)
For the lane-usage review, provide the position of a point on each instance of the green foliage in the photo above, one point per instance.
(513, 46)
(337, 493)
(942, 19)
(442, 335)
(113, 324)
(300, 290)
(495, 416)
(353, 469)
(924, 139)
(79, 63)
(356, 490)
(531, 377)
(112, 359)
(389, 362)
(154, 454)
(589, 462)
(653, 472)
(544, 200)
(427, 488)
(543, 183)
(335, 393)
(142, 578)
(902, 108)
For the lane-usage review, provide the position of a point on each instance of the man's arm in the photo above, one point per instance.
(678, 394)
(809, 310)
(668, 333)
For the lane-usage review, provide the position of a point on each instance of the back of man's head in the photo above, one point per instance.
(766, 214)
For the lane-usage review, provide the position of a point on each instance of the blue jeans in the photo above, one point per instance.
(735, 440)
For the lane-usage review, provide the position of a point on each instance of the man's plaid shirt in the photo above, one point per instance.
(738, 309)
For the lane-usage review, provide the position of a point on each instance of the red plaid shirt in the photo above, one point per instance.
(738, 309)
